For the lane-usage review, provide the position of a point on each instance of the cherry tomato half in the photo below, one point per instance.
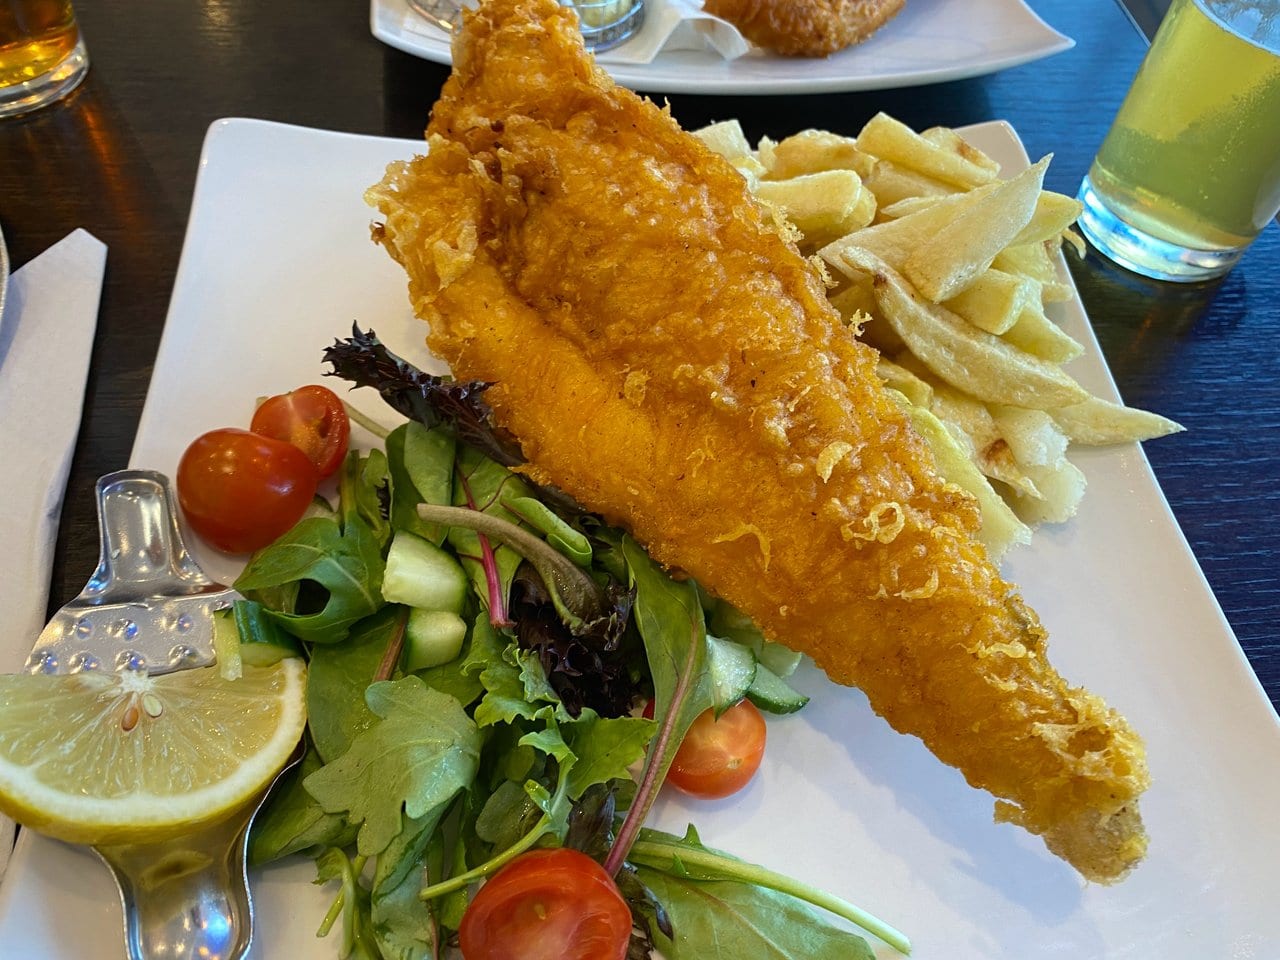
(311, 418)
(718, 757)
(555, 904)
(240, 490)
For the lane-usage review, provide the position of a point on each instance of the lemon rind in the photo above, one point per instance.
(81, 819)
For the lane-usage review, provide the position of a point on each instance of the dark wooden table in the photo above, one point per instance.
(119, 158)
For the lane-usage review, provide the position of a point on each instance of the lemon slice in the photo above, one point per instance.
(127, 758)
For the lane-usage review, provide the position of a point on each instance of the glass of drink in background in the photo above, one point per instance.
(607, 23)
(42, 56)
(1190, 172)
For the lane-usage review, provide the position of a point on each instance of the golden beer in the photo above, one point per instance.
(1193, 158)
(41, 56)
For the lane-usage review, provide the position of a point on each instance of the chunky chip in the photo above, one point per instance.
(947, 270)
(888, 139)
(971, 359)
(954, 256)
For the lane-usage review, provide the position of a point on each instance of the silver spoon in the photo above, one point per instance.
(149, 607)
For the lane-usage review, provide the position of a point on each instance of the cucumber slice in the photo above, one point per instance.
(268, 654)
(728, 621)
(420, 574)
(732, 668)
(771, 693)
(432, 637)
(261, 642)
(778, 659)
(226, 645)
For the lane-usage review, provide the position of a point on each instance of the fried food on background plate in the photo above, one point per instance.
(665, 356)
(805, 28)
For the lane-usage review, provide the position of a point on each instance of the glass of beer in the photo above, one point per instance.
(42, 55)
(1190, 172)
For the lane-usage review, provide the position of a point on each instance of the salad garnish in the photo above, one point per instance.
(428, 399)
(480, 654)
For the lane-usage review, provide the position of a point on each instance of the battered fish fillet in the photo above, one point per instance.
(805, 28)
(666, 357)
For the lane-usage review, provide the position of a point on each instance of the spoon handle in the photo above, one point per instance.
(142, 553)
(187, 898)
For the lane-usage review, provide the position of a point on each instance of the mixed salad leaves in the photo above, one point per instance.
(480, 653)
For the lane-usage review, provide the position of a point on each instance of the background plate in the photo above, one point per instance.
(277, 263)
(928, 42)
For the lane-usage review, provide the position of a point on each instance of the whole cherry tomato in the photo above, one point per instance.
(555, 904)
(718, 757)
(311, 418)
(240, 490)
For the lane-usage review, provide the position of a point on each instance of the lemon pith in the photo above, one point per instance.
(112, 758)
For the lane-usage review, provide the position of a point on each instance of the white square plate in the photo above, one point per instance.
(930, 41)
(278, 263)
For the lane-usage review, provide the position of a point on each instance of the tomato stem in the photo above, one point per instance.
(666, 856)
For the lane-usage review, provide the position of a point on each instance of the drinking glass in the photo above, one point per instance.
(42, 55)
(1190, 172)
(605, 23)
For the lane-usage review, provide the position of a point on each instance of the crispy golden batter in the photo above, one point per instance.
(666, 357)
(805, 28)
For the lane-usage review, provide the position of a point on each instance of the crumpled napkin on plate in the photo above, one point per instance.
(677, 25)
(668, 25)
(46, 336)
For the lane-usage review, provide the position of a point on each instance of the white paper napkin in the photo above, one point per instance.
(668, 25)
(677, 25)
(46, 335)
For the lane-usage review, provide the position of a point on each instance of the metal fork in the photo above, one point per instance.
(149, 606)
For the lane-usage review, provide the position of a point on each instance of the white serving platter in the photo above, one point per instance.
(930, 41)
(277, 263)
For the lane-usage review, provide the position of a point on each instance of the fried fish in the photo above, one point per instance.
(805, 28)
(666, 356)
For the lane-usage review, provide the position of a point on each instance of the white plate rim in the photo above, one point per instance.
(697, 74)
